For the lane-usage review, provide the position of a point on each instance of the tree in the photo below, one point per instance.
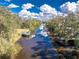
(8, 22)
(66, 27)
(32, 24)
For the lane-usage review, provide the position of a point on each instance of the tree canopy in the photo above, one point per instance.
(65, 27)
(8, 23)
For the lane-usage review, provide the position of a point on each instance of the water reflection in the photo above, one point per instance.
(39, 47)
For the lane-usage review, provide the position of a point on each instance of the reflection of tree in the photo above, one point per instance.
(43, 49)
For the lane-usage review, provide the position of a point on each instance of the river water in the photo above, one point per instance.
(39, 47)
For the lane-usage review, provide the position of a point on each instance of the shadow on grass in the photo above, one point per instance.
(5, 57)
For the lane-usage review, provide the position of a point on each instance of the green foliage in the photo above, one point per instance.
(32, 24)
(66, 27)
(55, 26)
(8, 23)
(8, 48)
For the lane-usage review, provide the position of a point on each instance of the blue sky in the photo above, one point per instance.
(54, 3)
(41, 9)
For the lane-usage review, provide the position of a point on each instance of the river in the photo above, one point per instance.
(39, 47)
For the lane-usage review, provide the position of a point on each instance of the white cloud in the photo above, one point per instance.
(40, 16)
(27, 6)
(47, 12)
(68, 7)
(48, 9)
(12, 6)
(27, 14)
(34, 15)
(45, 16)
(62, 14)
(77, 7)
(24, 13)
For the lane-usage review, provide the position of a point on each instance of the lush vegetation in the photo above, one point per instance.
(8, 23)
(60, 27)
(65, 27)
(31, 24)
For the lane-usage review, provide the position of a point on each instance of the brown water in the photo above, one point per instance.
(26, 52)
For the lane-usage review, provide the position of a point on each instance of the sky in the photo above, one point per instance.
(40, 8)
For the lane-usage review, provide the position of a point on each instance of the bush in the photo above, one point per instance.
(65, 27)
(8, 23)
